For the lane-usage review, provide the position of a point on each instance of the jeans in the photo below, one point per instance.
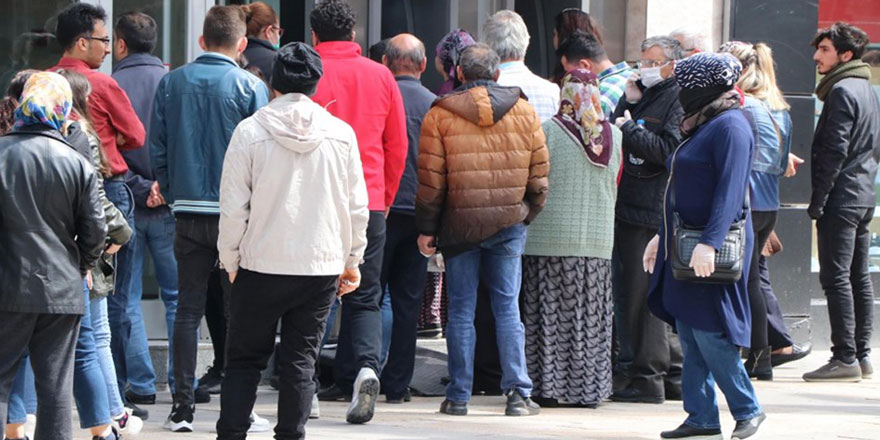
(843, 241)
(710, 358)
(89, 386)
(154, 231)
(17, 411)
(497, 261)
(648, 349)
(762, 224)
(101, 326)
(404, 271)
(387, 327)
(195, 246)
(125, 315)
(361, 323)
(51, 341)
(258, 302)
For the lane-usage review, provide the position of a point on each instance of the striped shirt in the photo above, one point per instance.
(542, 94)
(612, 83)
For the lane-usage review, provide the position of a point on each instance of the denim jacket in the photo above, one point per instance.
(770, 156)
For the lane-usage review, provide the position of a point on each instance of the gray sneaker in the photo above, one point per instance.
(835, 371)
(865, 366)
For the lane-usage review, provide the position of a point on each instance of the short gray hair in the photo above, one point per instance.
(478, 61)
(404, 61)
(671, 47)
(690, 40)
(506, 33)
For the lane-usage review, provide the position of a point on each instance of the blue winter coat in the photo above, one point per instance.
(710, 180)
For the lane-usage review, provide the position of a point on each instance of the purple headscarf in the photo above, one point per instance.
(448, 50)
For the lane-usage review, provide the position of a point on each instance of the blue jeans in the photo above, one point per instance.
(17, 409)
(101, 327)
(89, 387)
(497, 261)
(125, 316)
(387, 324)
(155, 232)
(709, 358)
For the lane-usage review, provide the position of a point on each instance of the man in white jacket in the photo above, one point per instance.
(293, 220)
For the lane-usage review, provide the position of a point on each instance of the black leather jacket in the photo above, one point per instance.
(645, 149)
(846, 148)
(51, 223)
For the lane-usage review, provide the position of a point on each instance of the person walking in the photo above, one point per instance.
(567, 306)
(481, 229)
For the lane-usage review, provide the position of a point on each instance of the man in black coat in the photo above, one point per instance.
(846, 148)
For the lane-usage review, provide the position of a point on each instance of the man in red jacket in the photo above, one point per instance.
(364, 94)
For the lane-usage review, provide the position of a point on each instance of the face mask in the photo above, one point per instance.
(277, 46)
(650, 76)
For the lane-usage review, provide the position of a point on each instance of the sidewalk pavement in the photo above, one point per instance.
(795, 409)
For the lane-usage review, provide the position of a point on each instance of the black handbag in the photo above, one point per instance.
(728, 260)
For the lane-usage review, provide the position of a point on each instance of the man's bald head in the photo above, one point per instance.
(405, 55)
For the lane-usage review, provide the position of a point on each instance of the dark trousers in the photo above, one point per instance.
(762, 224)
(258, 302)
(195, 246)
(656, 352)
(777, 333)
(361, 323)
(487, 362)
(844, 239)
(404, 271)
(51, 342)
(215, 317)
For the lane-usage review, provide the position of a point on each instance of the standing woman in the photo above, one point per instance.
(708, 183)
(567, 22)
(567, 266)
(448, 50)
(264, 37)
(771, 125)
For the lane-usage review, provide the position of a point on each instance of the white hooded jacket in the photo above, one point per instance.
(293, 200)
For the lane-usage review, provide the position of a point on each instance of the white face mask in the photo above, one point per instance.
(650, 76)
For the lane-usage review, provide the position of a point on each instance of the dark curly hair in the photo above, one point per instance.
(845, 38)
(9, 103)
(333, 20)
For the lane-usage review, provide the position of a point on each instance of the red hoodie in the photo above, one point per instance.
(363, 93)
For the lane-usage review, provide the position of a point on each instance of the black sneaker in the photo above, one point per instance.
(181, 418)
(518, 405)
(212, 381)
(332, 393)
(406, 397)
(835, 371)
(691, 433)
(139, 412)
(747, 428)
(201, 395)
(453, 408)
(140, 399)
(114, 435)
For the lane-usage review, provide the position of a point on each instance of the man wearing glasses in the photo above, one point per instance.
(82, 33)
(648, 367)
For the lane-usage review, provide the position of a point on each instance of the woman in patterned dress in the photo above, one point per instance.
(567, 266)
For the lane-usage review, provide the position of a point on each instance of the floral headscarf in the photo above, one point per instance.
(46, 100)
(580, 114)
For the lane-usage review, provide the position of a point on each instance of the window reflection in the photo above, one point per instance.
(170, 16)
(27, 39)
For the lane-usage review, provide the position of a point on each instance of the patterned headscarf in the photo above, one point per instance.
(46, 100)
(580, 114)
(451, 46)
(705, 70)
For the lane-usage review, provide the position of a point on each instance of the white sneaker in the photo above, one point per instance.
(128, 423)
(315, 413)
(259, 424)
(363, 397)
(30, 426)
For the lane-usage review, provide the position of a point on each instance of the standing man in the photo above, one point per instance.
(82, 33)
(404, 269)
(650, 355)
(292, 175)
(476, 195)
(363, 94)
(197, 107)
(846, 147)
(507, 35)
(138, 73)
(584, 51)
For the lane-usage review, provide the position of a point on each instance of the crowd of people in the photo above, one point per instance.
(610, 223)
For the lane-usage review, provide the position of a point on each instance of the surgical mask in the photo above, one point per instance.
(650, 76)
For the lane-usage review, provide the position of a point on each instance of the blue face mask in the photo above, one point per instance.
(277, 46)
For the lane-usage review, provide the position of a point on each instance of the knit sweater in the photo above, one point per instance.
(578, 220)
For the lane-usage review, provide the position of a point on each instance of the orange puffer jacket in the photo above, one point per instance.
(483, 165)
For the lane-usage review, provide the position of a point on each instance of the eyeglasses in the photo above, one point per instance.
(647, 64)
(279, 30)
(105, 40)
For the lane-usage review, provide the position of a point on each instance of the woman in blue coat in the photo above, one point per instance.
(709, 176)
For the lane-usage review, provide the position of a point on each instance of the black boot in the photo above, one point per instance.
(758, 365)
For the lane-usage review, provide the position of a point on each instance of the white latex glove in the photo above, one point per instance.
(650, 256)
(703, 260)
(632, 93)
(627, 116)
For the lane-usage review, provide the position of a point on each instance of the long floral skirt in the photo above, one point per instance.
(567, 310)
